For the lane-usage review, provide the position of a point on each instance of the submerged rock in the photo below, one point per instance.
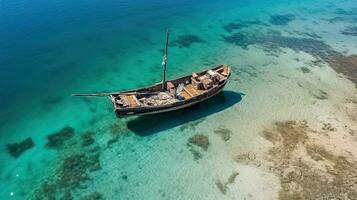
(319, 94)
(196, 154)
(56, 140)
(223, 187)
(281, 20)
(186, 41)
(328, 127)
(199, 140)
(16, 149)
(224, 133)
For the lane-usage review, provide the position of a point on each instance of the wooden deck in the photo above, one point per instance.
(130, 100)
(189, 91)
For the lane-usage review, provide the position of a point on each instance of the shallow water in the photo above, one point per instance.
(50, 50)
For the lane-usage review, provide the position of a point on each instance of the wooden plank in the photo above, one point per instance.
(185, 94)
(193, 90)
(133, 101)
(188, 92)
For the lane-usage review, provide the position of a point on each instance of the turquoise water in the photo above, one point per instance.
(51, 49)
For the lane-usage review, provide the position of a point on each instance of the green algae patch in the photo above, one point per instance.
(16, 149)
(57, 139)
(224, 133)
(200, 141)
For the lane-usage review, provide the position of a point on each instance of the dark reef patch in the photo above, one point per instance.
(301, 179)
(94, 196)
(75, 168)
(248, 158)
(196, 154)
(191, 125)
(351, 30)
(341, 11)
(52, 100)
(223, 187)
(328, 127)
(230, 27)
(73, 171)
(87, 138)
(242, 40)
(224, 133)
(305, 70)
(344, 16)
(197, 140)
(319, 94)
(185, 41)
(346, 65)
(119, 128)
(16, 149)
(124, 177)
(57, 139)
(233, 26)
(111, 141)
(281, 20)
(200, 141)
(308, 34)
(313, 35)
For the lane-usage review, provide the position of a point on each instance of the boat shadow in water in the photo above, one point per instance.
(150, 124)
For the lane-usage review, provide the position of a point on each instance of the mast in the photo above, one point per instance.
(164, 62)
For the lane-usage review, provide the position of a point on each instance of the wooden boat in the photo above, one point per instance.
(169, 95)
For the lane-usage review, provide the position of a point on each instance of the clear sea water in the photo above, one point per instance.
(51, 49)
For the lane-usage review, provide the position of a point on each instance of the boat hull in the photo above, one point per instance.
(120, 113)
